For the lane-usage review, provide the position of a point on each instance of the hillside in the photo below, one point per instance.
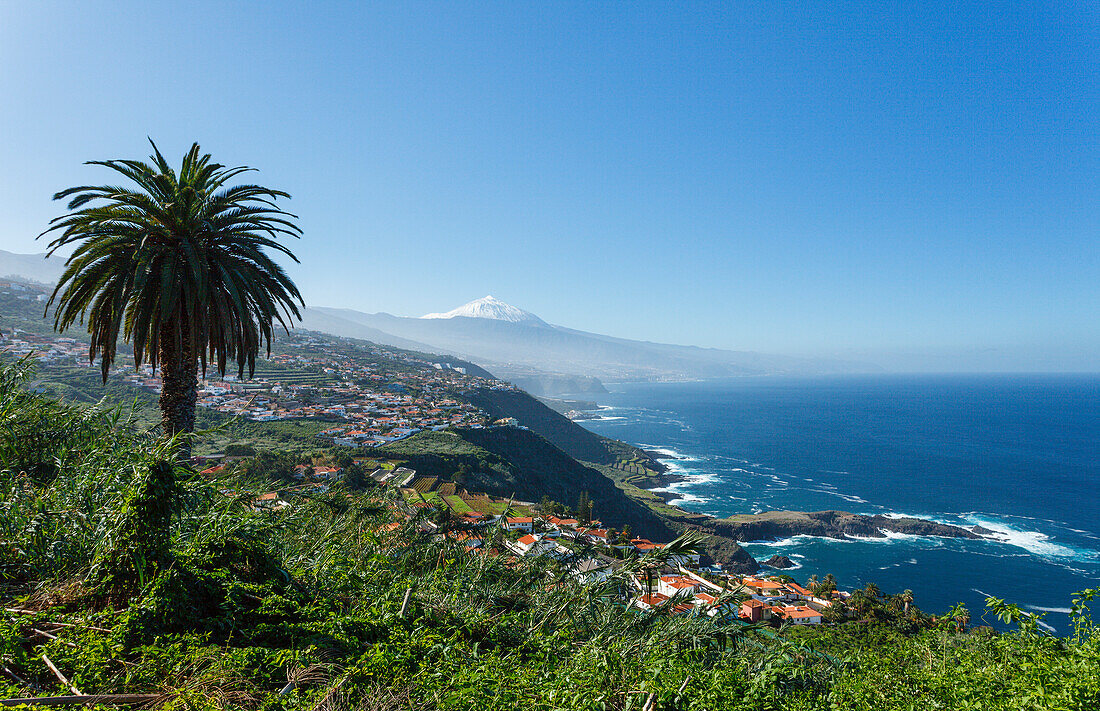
(567, 435)
(33, 267)
(511, 462)
(136, 580)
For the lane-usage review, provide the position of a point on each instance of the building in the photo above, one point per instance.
(799, 614)
(519, 523)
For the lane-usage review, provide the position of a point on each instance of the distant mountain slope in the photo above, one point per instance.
(34, 267)
(317, 320)
(536, 344)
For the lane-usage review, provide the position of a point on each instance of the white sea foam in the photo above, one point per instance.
(1044, 625)
(671, 453)
(686, 498)
(1040, 608)
(793, 540)
(1035, 542)
(847, 497)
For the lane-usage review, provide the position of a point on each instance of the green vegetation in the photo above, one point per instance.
(519, 464)
(175, 265)
(173, 584)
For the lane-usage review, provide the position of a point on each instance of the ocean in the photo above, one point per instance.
(1016, 454)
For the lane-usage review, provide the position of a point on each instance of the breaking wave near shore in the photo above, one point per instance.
(752, 446)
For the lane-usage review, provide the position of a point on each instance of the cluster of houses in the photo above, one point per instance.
(47, 349)
(372, 395)
(681, 587)
(372, 398)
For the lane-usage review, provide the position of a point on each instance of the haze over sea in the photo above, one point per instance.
(1016, 454)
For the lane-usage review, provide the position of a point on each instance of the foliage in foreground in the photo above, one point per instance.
(177, 586)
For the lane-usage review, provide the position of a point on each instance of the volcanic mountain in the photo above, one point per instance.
(511, 342)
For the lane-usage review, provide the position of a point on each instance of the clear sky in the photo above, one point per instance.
(890, 180)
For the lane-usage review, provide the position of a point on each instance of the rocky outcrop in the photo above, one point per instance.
(779, 561)
(773, 525)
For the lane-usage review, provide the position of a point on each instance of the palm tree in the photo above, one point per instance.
(859, 602)
(906, 599)
(176, 262)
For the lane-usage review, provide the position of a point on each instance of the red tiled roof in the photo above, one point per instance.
(654, 599)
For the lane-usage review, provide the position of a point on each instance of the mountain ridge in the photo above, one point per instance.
(551, 348)
(489, 307)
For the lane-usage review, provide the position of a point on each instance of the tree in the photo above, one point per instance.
(176, 264)
(859, 602)
(239, 450)
(341, 457)
(355, 476)
(268, 467)
(584, 508)
(907, 600)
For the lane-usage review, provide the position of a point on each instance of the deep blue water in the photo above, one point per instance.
(1015, 454)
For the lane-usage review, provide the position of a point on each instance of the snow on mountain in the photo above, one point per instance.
(491, 308)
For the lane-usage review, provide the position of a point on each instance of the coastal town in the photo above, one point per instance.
(678, 583)
(367, 396)
(370, 395)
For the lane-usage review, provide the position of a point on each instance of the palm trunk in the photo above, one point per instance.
(179, 383)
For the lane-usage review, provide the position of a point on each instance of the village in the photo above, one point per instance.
(372, 395)
(484, 525)
(382, 395)
(681, 586)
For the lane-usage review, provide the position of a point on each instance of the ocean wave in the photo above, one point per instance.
(1058, 610)
(847, 497)
(671, 455)
(1034, 542)
(685, 498)
(795, 540)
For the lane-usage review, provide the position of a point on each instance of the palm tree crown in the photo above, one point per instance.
(176, 263)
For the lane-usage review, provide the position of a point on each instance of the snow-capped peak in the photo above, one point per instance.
(490, 308)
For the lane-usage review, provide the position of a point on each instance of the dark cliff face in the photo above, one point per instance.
(567, 436)
(830, 524)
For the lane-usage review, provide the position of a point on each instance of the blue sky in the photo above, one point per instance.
(892, 181)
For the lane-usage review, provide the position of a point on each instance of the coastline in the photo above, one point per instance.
(772, 526)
